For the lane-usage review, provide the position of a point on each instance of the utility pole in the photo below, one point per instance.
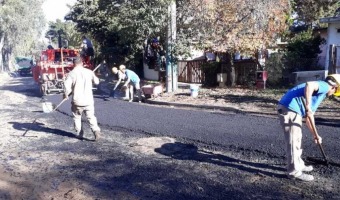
(171, 67)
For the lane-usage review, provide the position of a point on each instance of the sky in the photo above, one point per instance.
(56, 9)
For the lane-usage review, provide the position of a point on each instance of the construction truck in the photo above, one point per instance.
(52, 68)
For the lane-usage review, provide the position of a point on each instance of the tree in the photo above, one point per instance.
(310, 11)
(22, 22)
(120, 28)
(302, 52)
(69, 35)
(230, 26)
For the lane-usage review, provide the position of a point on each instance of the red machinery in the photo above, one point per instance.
(53, 67)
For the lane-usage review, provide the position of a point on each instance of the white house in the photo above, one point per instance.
(333, 38)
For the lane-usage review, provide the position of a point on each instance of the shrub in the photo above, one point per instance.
(210, 70)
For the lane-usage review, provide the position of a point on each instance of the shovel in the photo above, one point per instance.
(44, 113)
(315, 133)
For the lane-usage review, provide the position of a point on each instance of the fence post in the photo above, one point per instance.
(331, 63)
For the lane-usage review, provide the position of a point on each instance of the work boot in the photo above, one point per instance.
(308, 168)
(80, 136)
(303, 177)
(96, 135)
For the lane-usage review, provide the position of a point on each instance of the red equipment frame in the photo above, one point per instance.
(53, 67)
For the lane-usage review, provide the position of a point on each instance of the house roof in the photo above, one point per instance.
(330, 19)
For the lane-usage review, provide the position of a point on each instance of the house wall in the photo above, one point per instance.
(152, 74)
(333, 38)
(322, 56)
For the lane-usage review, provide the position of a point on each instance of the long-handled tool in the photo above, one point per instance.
(43, 113)
(97, 67)
(315, 133)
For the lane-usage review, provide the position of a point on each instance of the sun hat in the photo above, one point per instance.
(334, 80)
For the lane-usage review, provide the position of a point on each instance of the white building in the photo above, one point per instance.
(333, 38)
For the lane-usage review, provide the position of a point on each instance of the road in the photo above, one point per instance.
(219, 129)
(151, 152)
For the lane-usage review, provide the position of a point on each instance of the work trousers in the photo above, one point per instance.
(291, 123)
(77, 112)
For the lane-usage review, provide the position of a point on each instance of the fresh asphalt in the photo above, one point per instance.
(257, 135)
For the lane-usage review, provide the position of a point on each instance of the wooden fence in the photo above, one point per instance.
(191, 72)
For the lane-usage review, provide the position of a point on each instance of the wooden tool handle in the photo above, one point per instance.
(315, 133)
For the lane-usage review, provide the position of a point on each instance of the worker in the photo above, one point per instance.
(87, 46)
(87, 50)
(121, 77)
(299, 102)
(133, 78)
(155, 55)
(79, 83)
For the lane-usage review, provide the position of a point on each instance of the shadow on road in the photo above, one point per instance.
(39, 127)
(183, 151)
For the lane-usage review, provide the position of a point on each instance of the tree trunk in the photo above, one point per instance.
(2, 39)
(6, 61)
(230, 70)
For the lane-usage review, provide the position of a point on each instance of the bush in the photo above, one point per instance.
(302, 52)
(275, 68)
(210, 70)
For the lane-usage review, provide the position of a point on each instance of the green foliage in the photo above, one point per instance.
(310, 11)
(121, 29)
(69, 35)
(275, 69)
(302, 52)
(22, 22)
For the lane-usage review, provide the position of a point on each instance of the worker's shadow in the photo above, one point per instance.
(183, 151)
(40, 127)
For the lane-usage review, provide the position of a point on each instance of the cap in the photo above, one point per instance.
(122, 67)
(334, 80)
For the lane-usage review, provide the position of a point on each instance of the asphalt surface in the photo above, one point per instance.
(217, 155)
(215, 129)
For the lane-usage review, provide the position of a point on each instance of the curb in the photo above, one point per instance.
(230, 109)
(208, 107)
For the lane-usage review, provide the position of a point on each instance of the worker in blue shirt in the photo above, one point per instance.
(299, 102)
(132, 81)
